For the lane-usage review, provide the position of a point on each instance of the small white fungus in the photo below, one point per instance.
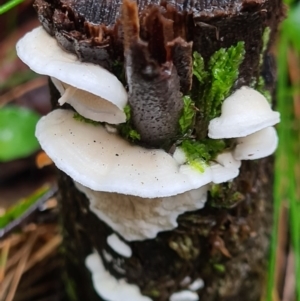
(118, 245)
(53, 61)
(89, 105)
(258, 145)
(108, 287)
(244, 112)
(184, 296)
(196, 284)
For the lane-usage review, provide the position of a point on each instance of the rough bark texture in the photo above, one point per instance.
(226, 243)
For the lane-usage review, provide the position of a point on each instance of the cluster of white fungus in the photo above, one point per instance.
(112, 289)
(247, 116)
(93, 91)
(138, 192)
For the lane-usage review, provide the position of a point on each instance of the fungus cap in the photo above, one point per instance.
(104, 161)
(224, 168)
(43, 55)
(89, 105)
(244, 112)
(258, 145)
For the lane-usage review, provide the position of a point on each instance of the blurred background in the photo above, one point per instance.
(30, 268)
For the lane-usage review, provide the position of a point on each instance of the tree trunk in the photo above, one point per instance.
(226, 243)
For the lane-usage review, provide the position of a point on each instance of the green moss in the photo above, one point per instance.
(260, 87)
(200, 153)
(83, 119)
(265, 38)
(184, 246)
(119, 72)
(126, 130)
(219, 267)
(224, 195)
(199, 68)
(151, 292)
(218, 78)
(188, 114)
(127, 111)
(70, 287)
(259, 84)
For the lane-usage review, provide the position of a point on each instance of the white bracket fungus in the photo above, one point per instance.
(196, 284)
(100, 85)
(138, 192)
(136, 218)
(108, 287)
(107, 256)
(106, 162)
(89, 105)
(244, 112)
(185, 295)
(257, 145)
(225, 168)
(118, 245)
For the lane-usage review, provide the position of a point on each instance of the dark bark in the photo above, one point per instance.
(156, 267)
(226, 243)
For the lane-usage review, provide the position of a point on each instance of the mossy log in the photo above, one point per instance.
(226, 244)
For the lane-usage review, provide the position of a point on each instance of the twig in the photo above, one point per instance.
(14, 240)
(20, 268)
(3, 259)
(43, 252)
(290, 284)
(22, 89)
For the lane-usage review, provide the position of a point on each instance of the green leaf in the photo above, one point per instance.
(21, 207)
(17, 127)
(9, 5)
